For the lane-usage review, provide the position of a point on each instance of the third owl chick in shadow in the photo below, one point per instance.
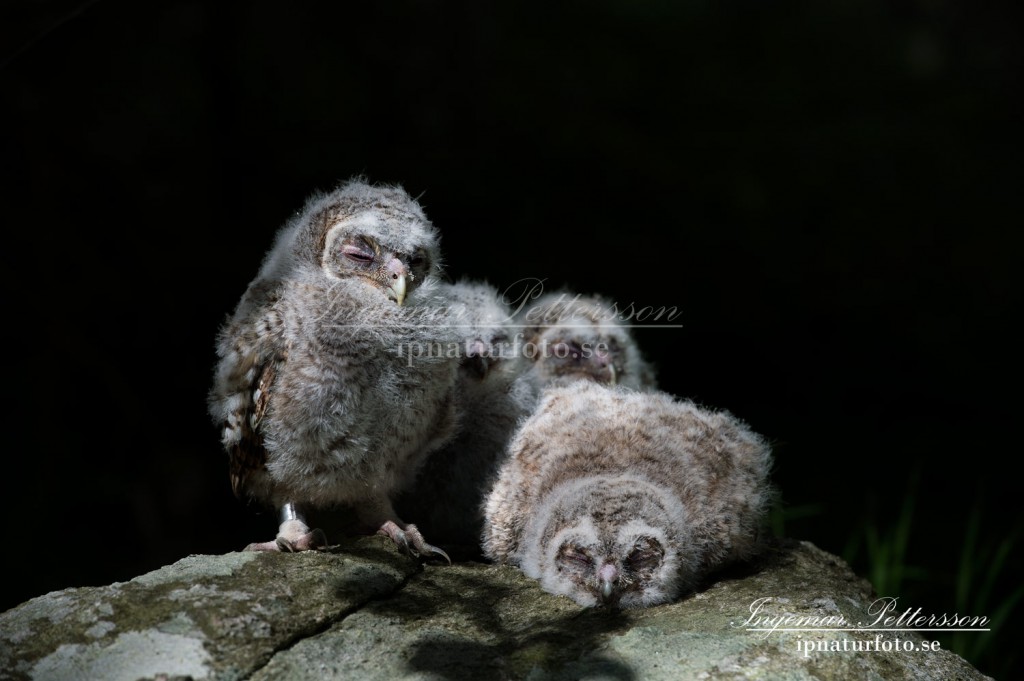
(567, 337)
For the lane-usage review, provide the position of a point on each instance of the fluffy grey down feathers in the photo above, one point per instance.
(646, 490)
(564, 460)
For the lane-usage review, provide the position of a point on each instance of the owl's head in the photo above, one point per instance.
(483, 320)
(616, 541)
(572, 337)
(625, 570)
(372, 235)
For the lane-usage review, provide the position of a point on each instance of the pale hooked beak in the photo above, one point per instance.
(398, 288)
(397, 274)
(608, 578)
(605, 360)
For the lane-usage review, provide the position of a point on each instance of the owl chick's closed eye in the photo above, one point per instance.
(616, 497)
(570, 337)
(322, 392)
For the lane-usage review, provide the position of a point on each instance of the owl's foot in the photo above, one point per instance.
(410, 541)
(293, 535)
(307, 541)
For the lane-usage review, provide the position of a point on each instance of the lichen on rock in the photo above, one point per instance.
(362, 610)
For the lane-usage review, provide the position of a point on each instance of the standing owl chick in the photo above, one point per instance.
(569, 337)
(319, 395)
(627, 499)
(447, 498)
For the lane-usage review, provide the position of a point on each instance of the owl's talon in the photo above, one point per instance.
(410, 542)
(439, 552)
(420, 547)
(401, 541)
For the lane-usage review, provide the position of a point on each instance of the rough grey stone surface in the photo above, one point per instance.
(204, 617)
(362, 611)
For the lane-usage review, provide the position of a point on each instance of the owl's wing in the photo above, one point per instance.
(251, 351)
(248, 454)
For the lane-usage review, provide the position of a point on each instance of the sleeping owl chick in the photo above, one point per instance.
(447, 497)
(569, 337)
(627, 499)
(322, 392)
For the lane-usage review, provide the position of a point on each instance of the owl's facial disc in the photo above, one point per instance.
(615, 578)
(590, 358)
(393, 273)
(602, 577)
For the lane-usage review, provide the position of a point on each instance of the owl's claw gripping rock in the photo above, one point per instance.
(410, 542)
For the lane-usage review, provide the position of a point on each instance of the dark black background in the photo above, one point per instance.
(829, 191)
